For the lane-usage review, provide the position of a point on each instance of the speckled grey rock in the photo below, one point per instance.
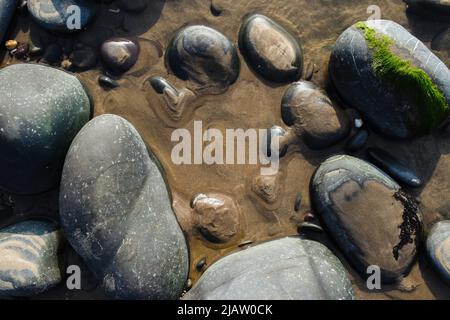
(438, 249)
(28, 258)
(372, 220)
(388, 111)
(116, 212)
(55, 14)
(285, 269)
(41, 111)
(7, 9)
(205, 56)
(270, 50)
(314, 117)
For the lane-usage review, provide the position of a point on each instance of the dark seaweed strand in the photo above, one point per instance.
(411, 226)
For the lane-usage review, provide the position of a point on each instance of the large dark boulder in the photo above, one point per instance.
(116, 212)
(392, 78)
(41, 111)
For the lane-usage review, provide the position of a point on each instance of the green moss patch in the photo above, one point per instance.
(408, 80)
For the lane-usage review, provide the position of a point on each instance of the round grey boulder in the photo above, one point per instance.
(41, 111)
(392, 78)
(116, 212)
(28, 258)
(438, 249)
(371, 219)
(285, 269)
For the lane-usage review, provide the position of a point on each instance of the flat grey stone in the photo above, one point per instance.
(285, 269)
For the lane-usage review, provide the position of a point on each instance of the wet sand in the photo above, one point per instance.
(250, 103)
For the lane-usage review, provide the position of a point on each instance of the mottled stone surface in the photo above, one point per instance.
(54, 14)
(314, 117)
(367, 214)
(28, 258)
(387, 111)
(285, 269)
(41, 111)
(7, 9)
(205, 56)
(438, 249)
(270, 50)
(116, 212)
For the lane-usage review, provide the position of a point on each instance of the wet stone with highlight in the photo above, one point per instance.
(116, 212)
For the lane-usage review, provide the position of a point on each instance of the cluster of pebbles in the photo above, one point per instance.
(115, 208)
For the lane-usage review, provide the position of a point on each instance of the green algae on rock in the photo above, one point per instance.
(392, 78)
(406, 79)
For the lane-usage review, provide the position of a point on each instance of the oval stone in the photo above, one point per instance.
(270, 50)
(28, 258)
(7, 9)
(58, 15)
(203, 55)
(41, 111)
(395, 168)
(392, 78)
(116, 212)
(285, 269)
(314, 117)
(119, 54)
(438, 249)
(367, 214)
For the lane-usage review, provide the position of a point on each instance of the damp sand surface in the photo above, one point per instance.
(249, 103)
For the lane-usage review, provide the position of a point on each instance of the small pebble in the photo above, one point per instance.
(310, 226)
(298, 202)
(245, 243)
(201, 264)
(189, 284)
(309, 217)
(107, 82)
(359, 123)
(11, 44)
